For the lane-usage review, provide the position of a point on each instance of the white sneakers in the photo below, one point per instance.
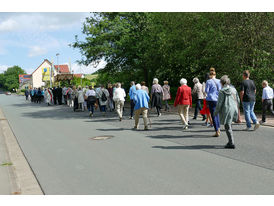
(257, 125)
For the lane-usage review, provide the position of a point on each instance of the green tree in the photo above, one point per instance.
(10, 78)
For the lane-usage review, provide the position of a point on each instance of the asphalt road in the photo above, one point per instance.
(163, 160)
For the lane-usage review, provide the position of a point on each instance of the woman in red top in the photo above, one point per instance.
(184, 101)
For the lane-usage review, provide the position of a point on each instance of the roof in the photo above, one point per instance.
(41, 64)
(63, 68)
(77, 75)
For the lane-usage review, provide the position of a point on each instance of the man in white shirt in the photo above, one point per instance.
(119, 98)
(267, 98)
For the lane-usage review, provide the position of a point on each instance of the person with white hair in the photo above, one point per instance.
(119, 99)
(156, 96)
(198, 95)
(141, 100)
(267, 100)
(103, 95)
(227, 108)
(184, 101)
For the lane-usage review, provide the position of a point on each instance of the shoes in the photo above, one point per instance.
(229, 146)
(159, 115)
(204, 118)
(120, 119)
(146, 128)
(257, 125)
(194, 118)
(262, 122)
(134, 128)
(205, 124)
(217, 134)
(247, 129)
(185, 127)
(130, 117)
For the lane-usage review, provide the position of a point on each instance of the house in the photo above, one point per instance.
(41, 75)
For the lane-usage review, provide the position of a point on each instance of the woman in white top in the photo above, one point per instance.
(80, 96)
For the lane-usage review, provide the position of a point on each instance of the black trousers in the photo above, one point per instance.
(131, 107)
(267, 105)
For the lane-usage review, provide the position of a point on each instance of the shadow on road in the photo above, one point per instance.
(193, 147)
(179, 136)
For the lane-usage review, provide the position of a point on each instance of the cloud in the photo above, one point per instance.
(43, 21)
(3, 68)
(37, 51)
(8, 25)
(77, 69)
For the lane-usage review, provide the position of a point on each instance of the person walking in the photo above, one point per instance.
(205, 111)
(227, 108)
(81, 100)
(156, 96)
(48, 96)
(184, 101)
(267, 100)
(119, 99)
(141, 100)
(131, 93)
(198, 95)
(248, 98)
(69, 98)
(110, 98)
(54, 92)
(144, 87)
(212, 89)
(59, 95)
(39, 95)
(103, 98)
(64, 93)
(27, 94)
(91, 100)
(166, 95)
(74, 95)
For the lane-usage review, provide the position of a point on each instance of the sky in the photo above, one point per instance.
(26, 39)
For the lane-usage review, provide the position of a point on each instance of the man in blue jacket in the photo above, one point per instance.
(141, 100)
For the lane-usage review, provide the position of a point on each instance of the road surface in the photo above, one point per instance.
(164, 160)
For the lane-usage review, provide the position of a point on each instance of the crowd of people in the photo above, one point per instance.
(220, 100)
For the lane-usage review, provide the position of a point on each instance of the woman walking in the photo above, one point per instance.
(80, 96)
(91, 100)
(205, 110)
(156, 96)
(184, 101)
(198, 94)
(212, 89)
(166, 95)
(227, 108)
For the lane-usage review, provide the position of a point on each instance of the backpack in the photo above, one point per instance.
(103, 97)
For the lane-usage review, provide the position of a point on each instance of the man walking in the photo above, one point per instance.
(247, 94)
(267, 98)
(132, 92)
(141, 100)
(119, 99)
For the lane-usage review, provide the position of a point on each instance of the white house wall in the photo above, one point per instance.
(37, 75)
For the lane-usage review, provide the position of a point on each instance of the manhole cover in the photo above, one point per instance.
(102, 137)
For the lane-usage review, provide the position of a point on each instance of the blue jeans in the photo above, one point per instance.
(103, 108)
(90, 106)
(215, 119)
(249, 113)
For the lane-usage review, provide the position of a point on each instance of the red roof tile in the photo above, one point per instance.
(77, 75)
(62, 68)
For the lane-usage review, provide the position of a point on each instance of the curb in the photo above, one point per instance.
(21, 172)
